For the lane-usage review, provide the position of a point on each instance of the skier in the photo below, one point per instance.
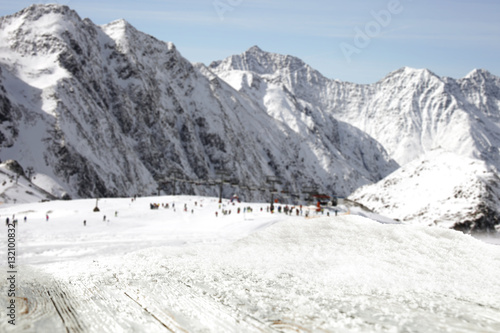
(25, 219)
(47, 217)
(104, 218)
(84, 223)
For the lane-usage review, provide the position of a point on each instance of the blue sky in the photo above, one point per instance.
(358, 41)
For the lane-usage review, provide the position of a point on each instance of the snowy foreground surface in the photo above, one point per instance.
(164, 270)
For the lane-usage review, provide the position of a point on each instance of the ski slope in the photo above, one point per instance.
(166, 270)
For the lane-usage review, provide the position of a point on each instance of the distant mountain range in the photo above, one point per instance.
(111, 111)
(410, 112)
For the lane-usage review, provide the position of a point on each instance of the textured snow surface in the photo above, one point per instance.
(147, 270)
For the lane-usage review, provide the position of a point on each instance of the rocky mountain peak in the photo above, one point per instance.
(36, 11)
(255, 49)
(120, 28)
(408, 75)
(260, 62)
(479, 75)
(483, 80)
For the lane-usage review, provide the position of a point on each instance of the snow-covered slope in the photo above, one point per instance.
(15, 187)
(109, 111)
(441, 188)
(347, 149)
(143, 270)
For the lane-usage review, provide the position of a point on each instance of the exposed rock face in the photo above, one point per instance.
(14, 167)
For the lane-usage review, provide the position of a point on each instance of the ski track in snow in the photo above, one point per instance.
(164, 271)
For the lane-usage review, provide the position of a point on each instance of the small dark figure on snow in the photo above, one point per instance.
(84, 223)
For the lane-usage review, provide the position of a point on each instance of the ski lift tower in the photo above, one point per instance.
(223, 179)
(251, 188)
(174, 177)
(30, 171)
(162, 182)
(273, 181)
(286, 191)
(310, 191)
(285, 194)
(96, 209)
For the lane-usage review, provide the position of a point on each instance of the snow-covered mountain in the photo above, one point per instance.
(409, 112)
(109, 111)
(440, 188)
